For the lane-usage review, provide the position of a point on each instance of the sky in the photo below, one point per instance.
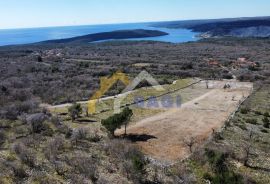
(47, 13)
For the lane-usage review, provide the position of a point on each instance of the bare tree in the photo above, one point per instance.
(190, 143)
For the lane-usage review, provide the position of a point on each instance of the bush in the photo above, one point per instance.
(39, 59)
(37, 122)
(60, 167)
(26, 155)
(222, 173)
(227, 177)
(56, 121)
(207, 176)
(94, 135)
(47, 131)
(266, 122)
(80, 134)
(87, 166)
(266, 114)
(53, 148)
(258, 113)
(68, 133)
(266, 125)
(75, 111)
(19, 171)
(138, 162)
(64, 129)
(2, 138)
(130, 158)
(244, 110)
(252, 121)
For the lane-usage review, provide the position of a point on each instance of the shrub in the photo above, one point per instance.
(94, 135)
(138, 162)
(60, 167)
(222, 173)
(103, 180)
(19, 171)
(266, 125)
(258, 113)
(56, 121)
(217, 136)
(68, 133)
(87, 166)
(2, 137)
(266, 114)
(64, 129)
(207, 176)
(252, 121)
(216, 160)
(39, 59)
(22, 130)
(227, 177)
(47, 130)
(266, 122)
(26, 155)
(42, 178)
(37, 122)
(244, 110)
(80, 134)
(242, 126)
(132, 159)
(54, 146)
(75, 111)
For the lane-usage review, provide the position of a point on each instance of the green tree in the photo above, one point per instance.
(127, 114)
(75, 111)
(117, 120)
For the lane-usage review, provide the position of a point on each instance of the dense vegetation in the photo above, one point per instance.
(58, 74)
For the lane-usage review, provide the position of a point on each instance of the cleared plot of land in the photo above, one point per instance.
(164, 134)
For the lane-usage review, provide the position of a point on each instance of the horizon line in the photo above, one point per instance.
(140, 22)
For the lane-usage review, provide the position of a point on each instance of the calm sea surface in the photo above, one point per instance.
(32, 35)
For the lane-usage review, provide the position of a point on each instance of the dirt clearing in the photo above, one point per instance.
(163, 135)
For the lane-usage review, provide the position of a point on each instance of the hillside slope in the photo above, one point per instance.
(238, 27)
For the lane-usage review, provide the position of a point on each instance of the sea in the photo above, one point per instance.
(33, 35)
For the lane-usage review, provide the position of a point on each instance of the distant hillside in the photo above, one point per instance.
(123, 34)
(238, 27)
